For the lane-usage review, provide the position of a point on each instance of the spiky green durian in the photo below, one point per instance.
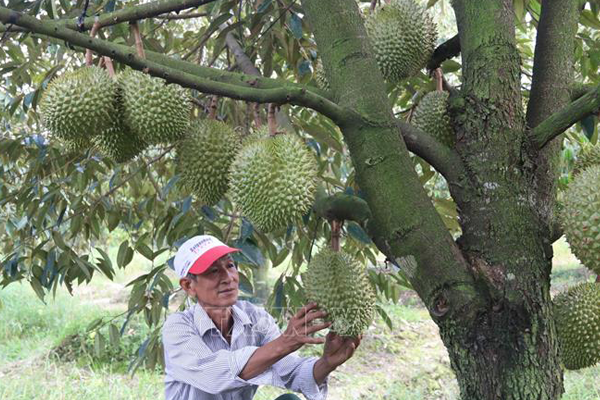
(581, 217)
(340, 286)
(319, 75)
(157, 112)
(588, 156)
(120, 143)
(259, 133)
(76, 145)
(79, 104)
(431, 115)
(403, 36)
(204, 158)
(577, 316)
(273, 180)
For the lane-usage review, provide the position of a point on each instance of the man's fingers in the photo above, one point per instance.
(313, 340)
(301, 312)
(315, 328)
(312, 315)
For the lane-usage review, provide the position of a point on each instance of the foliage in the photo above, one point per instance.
(57, 208)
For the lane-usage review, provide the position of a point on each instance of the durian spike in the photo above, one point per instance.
(272, 119)
(139, 46)
(439, 79)
(214, 104)
(88, 52)
(336, 234)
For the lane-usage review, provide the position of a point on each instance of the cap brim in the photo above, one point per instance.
(208, 258)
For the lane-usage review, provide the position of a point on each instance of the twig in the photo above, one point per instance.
(214, 103)
(183, 16)
(88, 52)
(139, 46)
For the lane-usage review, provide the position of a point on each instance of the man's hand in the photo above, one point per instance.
(337, 350)
(300, 327)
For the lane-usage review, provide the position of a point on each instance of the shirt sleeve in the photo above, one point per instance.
(291, 372)
(188, 359)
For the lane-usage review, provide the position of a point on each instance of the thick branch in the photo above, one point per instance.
(201, 79)
(241, 58)
(445, 160)
(445, 51)
(560, 121)
(553, 60)
(135, 13)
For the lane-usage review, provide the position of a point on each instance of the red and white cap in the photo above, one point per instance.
(198, 253)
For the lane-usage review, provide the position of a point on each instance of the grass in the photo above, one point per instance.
(409, 362)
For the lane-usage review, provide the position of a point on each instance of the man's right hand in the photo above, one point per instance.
(300, 327)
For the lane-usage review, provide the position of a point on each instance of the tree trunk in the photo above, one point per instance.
(490, 295)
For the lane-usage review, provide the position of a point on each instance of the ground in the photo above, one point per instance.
(46, 354)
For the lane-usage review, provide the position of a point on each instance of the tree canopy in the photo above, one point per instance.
(453, 223)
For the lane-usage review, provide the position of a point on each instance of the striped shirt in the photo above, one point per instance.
(201, 365)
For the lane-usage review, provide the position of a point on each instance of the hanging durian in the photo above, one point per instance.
(431, 115)
(156, 111)
(588, 156)
(204, 158)
(403, 37)
(79, 104)
(581, 217)
(577, 316)
(273, 180)
(340, 286)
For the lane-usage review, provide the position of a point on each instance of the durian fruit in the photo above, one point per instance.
(403, 37)
(581, 217)
(80, 104)
(273, 180)
(319, 75)
(120, 143)
(588, 156)
(155, 111)
(431, 115)
(77, 145)
(204, 158)
(577, 316)
(340, 286)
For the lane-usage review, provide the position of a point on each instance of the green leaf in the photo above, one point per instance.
(296, 26)
(385, 316)
(38, 289)
(144, 250)
(114, 335)
(122, 254)
(58, 240)
(99, 344)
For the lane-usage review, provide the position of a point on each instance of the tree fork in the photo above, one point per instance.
(405, 225)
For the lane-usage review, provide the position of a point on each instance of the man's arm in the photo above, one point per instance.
(295, 336)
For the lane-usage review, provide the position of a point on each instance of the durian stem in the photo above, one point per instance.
(214, 104)
(336, 234)
(139, 46)
(109, 66)
(256, 111)
(374, 4)
(598, 278)
(439, 79)
(88, 52)
(272, 119)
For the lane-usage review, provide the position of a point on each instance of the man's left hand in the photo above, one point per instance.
(338, 349)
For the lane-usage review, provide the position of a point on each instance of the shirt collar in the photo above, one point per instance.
(204, 323)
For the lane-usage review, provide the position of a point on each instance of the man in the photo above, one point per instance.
(222, 348)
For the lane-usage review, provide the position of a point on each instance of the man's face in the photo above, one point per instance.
(215, 287)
